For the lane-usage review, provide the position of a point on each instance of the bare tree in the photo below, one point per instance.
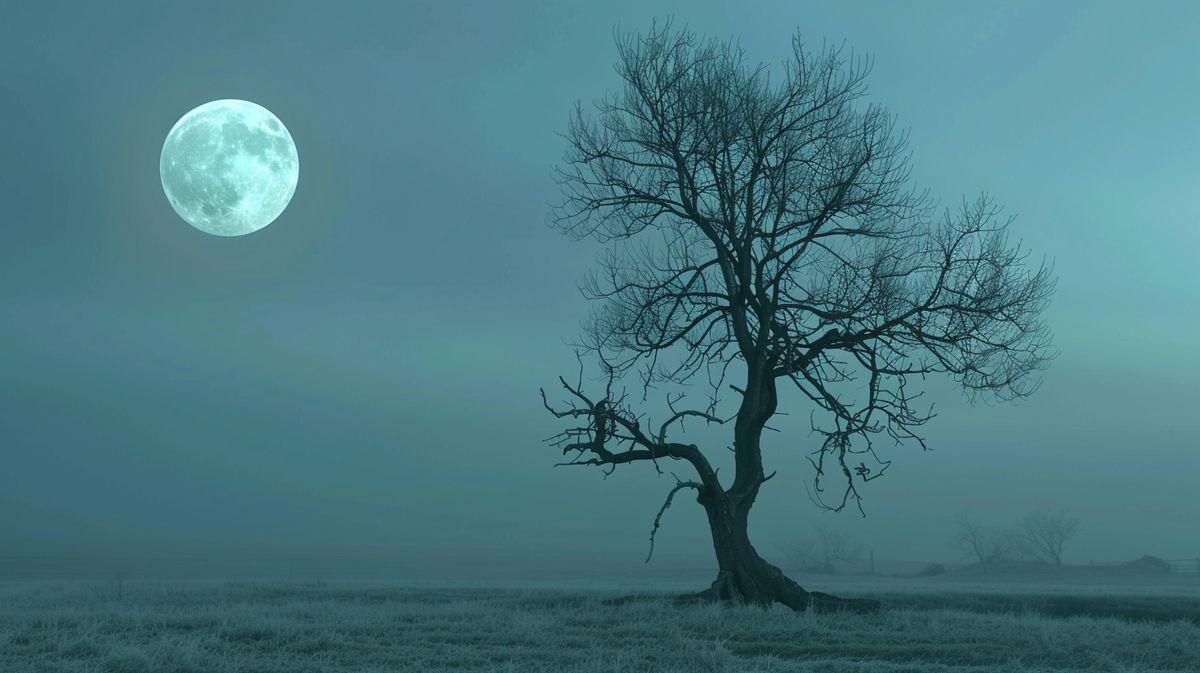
(759, 231)
(985, 543)
(1045, 534)
(821, 554)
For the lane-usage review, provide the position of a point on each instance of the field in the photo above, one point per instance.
(935, 625)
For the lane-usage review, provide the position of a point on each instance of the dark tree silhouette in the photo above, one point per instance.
(984, 543)
(759, 231)
(1046, 533)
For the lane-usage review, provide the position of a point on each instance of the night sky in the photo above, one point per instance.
(361, 377)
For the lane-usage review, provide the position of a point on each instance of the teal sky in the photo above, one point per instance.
(361, 376)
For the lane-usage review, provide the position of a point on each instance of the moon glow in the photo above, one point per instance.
(229, 167)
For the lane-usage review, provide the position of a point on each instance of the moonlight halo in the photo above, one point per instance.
(229, 167)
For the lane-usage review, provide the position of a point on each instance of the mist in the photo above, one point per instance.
(354, 390)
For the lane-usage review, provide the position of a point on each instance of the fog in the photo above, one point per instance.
(354, 389)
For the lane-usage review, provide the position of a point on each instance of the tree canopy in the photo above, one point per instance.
(765, 222)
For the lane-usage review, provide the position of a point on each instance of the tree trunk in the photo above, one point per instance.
(744, 577)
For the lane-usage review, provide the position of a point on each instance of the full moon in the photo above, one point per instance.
(229, 167)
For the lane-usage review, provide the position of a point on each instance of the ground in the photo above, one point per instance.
(931, 625)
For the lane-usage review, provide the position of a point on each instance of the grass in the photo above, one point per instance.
(349, 628)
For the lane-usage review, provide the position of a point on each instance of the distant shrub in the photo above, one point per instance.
(931, 570)
(1149, 563)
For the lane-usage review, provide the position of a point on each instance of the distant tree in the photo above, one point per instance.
(760, 231)
(827, 548)
(118, 581)
(1045, 534)
(985, 543)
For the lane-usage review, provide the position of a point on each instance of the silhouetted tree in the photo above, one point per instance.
(759, 231)
(827, 548)
(985, 543)
(1045, 534)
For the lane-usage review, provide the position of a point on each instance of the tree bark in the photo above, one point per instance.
(745, 577)
(742, 575)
